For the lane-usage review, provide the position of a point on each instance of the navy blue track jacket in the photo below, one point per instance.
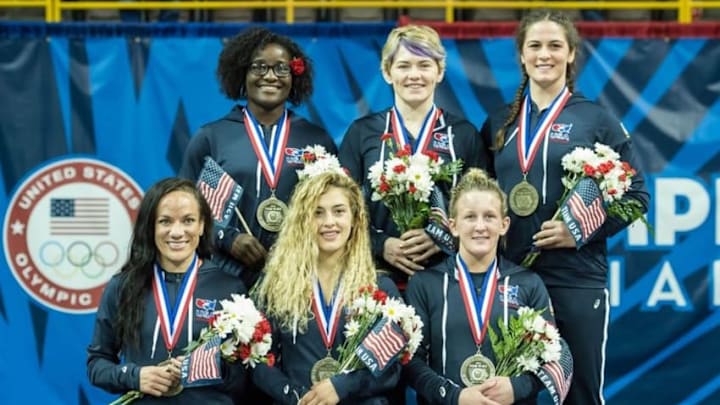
(104, 365)
(582, 123)
(289, 380)
(228, 143)
(435, 293)
(453, 138)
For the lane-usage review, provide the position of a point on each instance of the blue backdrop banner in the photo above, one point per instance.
(87, 122)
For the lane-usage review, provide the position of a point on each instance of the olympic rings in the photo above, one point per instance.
(101, 260)
(52, 254)
(43, 251)
(85, 257)
(79, 254)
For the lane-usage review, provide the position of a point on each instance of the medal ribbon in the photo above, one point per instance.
(401, 136)
(528, 143)
(477, 308)
(326, 316)
(270, 158)
(172, 319)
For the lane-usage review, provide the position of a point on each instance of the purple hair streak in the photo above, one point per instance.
(420, 49)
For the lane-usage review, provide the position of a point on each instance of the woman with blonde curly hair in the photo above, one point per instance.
(320, 261)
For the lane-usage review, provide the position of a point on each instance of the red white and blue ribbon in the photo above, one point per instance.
(529, 141)
(270, 157)
(326, 316)
(172, 318)
(477, 307)
(401, 136)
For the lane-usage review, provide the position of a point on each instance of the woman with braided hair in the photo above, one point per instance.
(547, 120)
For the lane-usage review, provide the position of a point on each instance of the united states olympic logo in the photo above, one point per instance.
(67, 231)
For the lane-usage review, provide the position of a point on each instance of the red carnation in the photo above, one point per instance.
(258, 334)
(297, 66)
(380, 296)
(405, 359)
(244, 352)
(605, 167)
(270, 359)
(589, 170)
(368, 289)
(405, 151)
(432, 155)
(309, 156)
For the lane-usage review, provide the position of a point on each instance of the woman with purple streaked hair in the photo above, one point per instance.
(413, 64)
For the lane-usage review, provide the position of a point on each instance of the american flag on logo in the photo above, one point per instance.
(202, 366)
(583, 210)
(79, 216)
(220, 191)
(381, 346)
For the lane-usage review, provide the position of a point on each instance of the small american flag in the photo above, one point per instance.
(557, 375)
(583, 210)
(202, 366)
(438, 227)
(381, 346)
(79, 216)
(220, 191)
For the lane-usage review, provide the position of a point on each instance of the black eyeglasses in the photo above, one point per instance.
(261, 69)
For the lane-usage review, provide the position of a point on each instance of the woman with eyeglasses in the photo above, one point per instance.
(259, 144)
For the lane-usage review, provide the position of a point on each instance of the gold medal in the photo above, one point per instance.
(523, 199)
(174, 389)
(271, 213)
(324, 368)
(476, 369)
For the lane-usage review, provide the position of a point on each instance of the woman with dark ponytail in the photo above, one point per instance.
(547, 120)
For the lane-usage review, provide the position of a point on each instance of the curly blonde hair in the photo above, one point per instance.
(285, 291)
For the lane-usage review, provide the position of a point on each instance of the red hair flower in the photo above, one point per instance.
(297, 66)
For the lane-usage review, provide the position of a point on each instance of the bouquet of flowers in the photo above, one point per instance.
(405, 181)
(374, 310)
(612, 179)
(243, 332)
(317, 160)
(525, 343)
